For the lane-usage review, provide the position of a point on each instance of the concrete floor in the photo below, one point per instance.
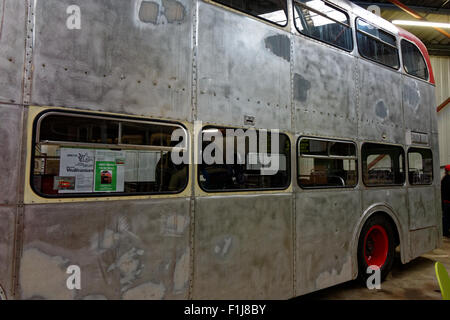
(415, 280)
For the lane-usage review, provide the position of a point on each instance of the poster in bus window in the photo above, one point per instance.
(109, 171)
(76, 171)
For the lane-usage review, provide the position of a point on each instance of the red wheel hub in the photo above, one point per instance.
(376, 244)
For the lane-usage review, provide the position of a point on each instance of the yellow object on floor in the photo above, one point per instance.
(443, 279)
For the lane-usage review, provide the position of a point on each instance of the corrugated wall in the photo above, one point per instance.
(441, 69)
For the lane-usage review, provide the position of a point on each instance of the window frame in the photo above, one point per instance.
(288, 165)
(356, 158)
(333, 6)
(253, 16)
(35, 140)
(427, 79)
(384, 185)
(432, 166)
(379, 40)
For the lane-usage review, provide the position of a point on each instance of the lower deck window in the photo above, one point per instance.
(382, 164)
(420, 166)
(78, 154)
(326, 163)
(234, 160)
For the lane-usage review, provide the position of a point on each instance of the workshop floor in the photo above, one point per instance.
(415, 280)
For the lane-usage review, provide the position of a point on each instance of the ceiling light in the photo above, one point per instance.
(421, 23)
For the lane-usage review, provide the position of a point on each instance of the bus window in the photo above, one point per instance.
(316, 19)
(420, 166)
(376, 44)
(382, 164)
(413, 60)
(327, 163)
(270, 10)
(234, 161)
(89, 155)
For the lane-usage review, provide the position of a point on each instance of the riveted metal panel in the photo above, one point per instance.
(421, 201)
(125, 250)
(325, 224)
(243, 70)
(128, 56)
(7, 218)
(418, 102)
(10, 140)
(324, 90)
(381, 115)
(12, 47)
(243, 247)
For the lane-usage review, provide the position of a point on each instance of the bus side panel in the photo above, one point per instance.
(395, 198)
(7, 227)
(324, 226)
(128, 56)
(243, 247)
(243, 70)
(437, 185)
(10, 141)
(381, 115)
(418, 99)
(125, 250)
(423, 241)
(12, 47)
(324, 90)
(421, 202)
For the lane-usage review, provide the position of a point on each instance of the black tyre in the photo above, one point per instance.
(376, 246)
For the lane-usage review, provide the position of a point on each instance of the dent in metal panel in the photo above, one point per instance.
(7, 219)
(421, 202)
(10, 141)
(323, 74)
(119, 60)
(324, 226)
(418, 102)
(381, 115)
(129, 250)
(12, 38)
(243, 248)
(243, 70)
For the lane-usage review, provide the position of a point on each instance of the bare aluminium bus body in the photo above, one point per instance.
(178, 61)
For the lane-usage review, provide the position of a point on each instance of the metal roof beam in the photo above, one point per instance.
(391, 6)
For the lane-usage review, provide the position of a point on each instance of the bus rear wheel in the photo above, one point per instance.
(376, 247)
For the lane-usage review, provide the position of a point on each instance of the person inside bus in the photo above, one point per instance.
(445, 195)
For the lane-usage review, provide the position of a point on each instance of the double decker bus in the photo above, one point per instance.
(97, 96)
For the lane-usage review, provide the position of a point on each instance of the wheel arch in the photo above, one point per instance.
(388, 212)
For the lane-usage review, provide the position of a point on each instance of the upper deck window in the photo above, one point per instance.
(92, 155)
(413, 60)
(377, 45)
(316, 19)
(270, 10)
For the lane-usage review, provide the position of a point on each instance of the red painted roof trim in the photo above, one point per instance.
(443, 105)
(409, 36)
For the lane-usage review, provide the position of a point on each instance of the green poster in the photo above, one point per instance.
(105, 176)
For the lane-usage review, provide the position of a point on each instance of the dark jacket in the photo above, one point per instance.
(445, 188)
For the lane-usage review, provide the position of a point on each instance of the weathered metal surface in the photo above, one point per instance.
(10, 142)
(325, 224)
(421, 201)
(12, 37)
(241, 75)
(381, 116)
(129, 57)
(320, 74)
(418, 103)
(423, 240)
(126, 249)
(243, 247)
(7, 218)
